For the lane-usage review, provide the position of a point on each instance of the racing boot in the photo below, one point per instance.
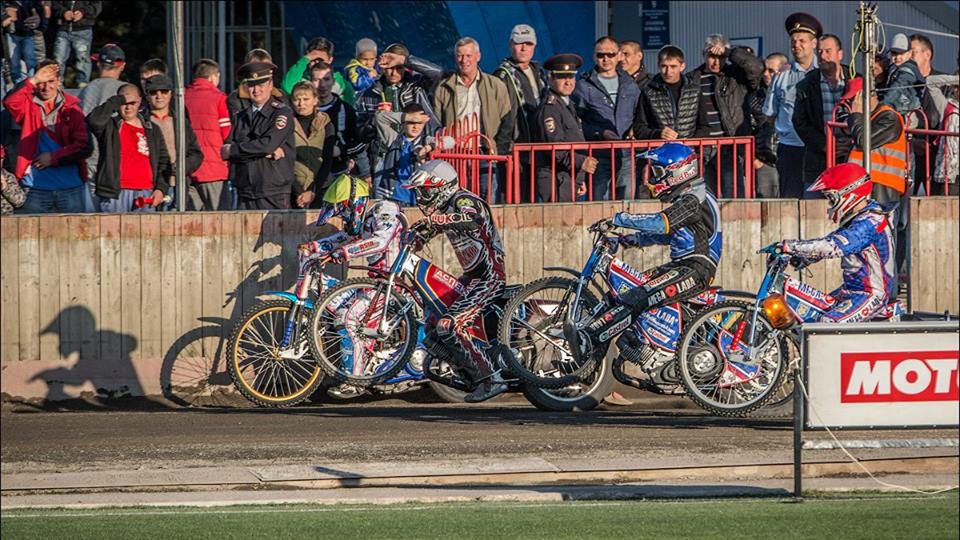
(346, 391)
(488, 388)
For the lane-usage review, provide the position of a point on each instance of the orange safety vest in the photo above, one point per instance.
(888, 163)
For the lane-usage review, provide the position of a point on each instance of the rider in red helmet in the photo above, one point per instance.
(864, 242)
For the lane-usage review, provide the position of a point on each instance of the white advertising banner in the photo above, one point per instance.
(882, 374)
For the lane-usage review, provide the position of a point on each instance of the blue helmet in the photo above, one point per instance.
(671, 165)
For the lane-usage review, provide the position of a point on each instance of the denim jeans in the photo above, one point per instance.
(79, 41)
(124, 202)
(603, 176)
(21, 48)
(58, 201)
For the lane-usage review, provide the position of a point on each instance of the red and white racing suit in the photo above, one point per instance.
(468, 224)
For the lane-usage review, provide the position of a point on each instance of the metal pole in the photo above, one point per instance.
(867, 14)
(176, 48)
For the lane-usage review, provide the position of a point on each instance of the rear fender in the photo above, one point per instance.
(289, 296)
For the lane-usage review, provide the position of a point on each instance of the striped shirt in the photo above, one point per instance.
(708, 85)
(781, 99)
(831, 95)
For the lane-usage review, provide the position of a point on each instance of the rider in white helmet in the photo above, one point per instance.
(468, 224)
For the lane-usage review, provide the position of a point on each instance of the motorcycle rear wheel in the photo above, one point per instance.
(536, 350)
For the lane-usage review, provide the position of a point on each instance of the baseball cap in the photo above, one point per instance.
(157, 82)
(109, 54)
(523, 33)
(900, 44)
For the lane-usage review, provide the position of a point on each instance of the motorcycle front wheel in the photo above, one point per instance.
(721, 370)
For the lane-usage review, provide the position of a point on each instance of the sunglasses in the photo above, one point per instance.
(606, 54)
(153, 92)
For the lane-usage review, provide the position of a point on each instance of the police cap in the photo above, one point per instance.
(563, 64)
(256, 72)
(803, 22)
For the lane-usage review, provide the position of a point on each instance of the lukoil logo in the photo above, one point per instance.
(891, 377)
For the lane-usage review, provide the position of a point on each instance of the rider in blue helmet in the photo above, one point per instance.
(690, 225)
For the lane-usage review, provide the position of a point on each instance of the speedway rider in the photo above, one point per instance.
(373, 232)
(864, 242)
(690, 226)
(468, 224)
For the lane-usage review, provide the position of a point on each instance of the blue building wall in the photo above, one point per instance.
(430, 28)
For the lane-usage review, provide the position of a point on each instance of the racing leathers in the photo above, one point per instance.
(378, 241)
(691, 227)
(468, 224)
(866, 250)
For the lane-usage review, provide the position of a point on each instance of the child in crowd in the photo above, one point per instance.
(361, 71)
(404, 143)
(11, 194)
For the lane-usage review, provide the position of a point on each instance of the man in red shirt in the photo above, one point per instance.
(134, 158)
(207, 109)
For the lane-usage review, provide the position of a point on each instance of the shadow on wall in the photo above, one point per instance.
(195, 367)
(103, 359)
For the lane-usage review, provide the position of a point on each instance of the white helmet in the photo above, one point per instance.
(434, 183)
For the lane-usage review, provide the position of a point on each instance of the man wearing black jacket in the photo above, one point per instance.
(723, 93)
(134, 157)
(669, 106)
(817, 95)
(159, 89)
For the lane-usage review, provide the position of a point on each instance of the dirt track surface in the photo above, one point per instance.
(38, 441)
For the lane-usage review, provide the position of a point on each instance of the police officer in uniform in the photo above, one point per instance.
(260, 147)
(557, 122)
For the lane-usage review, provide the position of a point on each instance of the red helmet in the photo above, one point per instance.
(844, 186)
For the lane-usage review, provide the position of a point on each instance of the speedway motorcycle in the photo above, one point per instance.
(363, 331)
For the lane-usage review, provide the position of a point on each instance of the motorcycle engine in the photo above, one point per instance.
(657, 364)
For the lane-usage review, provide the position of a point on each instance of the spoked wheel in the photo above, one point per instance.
(717, 367)
(580, 396)
(780, 404)
(263, 370)
(344, 335)
(537, 351)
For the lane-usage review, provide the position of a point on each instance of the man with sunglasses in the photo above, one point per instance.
(159, 89)
(261, 145)
(606, 98)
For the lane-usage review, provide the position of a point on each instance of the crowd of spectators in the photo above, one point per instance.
(263, 145)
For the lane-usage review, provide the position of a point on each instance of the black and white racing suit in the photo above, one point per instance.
(467, 222)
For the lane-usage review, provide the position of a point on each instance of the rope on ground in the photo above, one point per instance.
(843, 448)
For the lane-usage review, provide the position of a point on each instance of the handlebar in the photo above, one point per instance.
(603, 226)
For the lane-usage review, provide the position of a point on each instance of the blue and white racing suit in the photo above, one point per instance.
(866, 248)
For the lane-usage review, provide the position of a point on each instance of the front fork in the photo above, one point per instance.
(291, 329)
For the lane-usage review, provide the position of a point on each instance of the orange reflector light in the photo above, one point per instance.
(776, 309)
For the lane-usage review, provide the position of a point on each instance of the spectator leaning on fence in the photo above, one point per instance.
(817, 95)
(314, 138)
(469, 92)
(261, 144)
(606, 100)
(922, 49)
(804, 30)
(135, 162)
(75, 35)
(405, 145)
(319, 48)
(557, 122)
(670, 104)
(904, 84)
(53, 143)
(764, 131)
(111, 61)
(726, 77)
(206, 107)
(159, 90)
